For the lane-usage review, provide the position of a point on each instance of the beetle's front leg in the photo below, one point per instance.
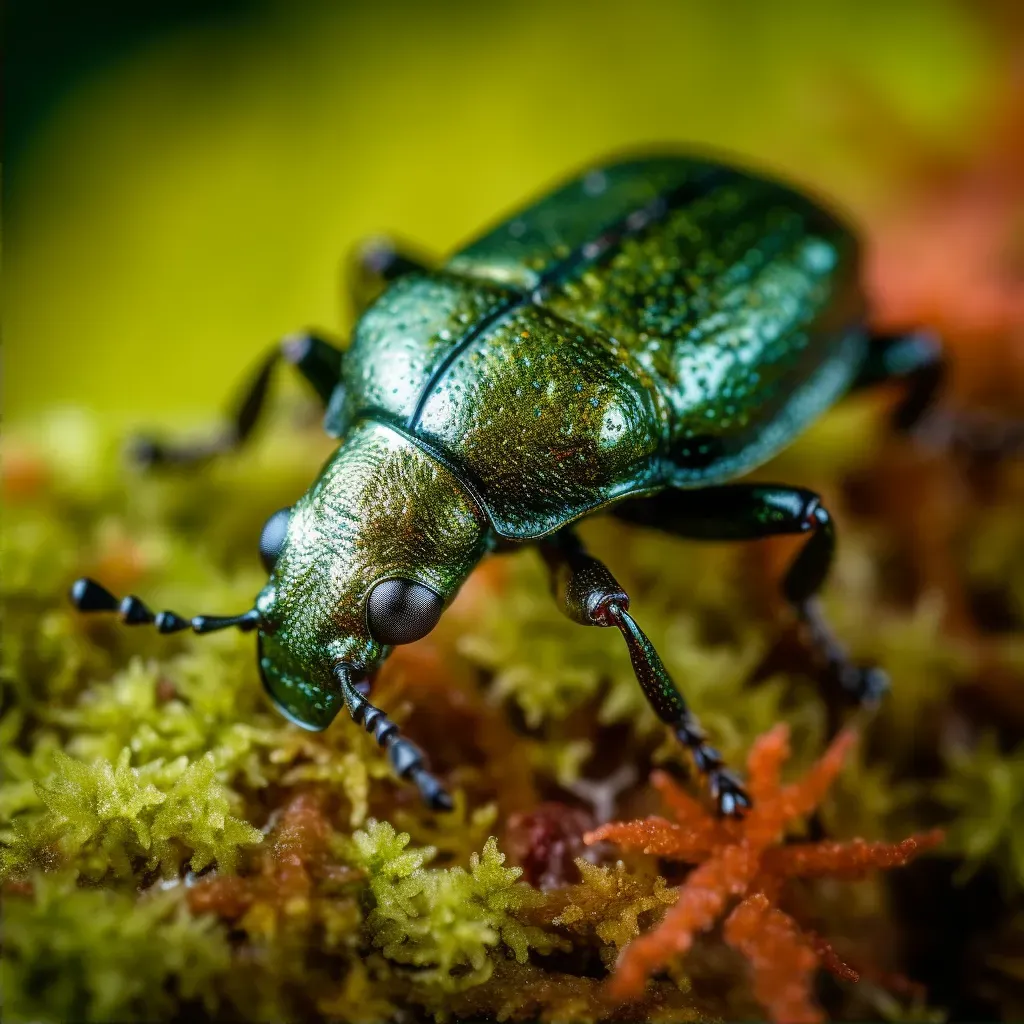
(589, 594)
(315, 359)
(754, 511)
(406, 758)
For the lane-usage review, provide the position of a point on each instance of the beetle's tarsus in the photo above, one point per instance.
(317, 361)
(408, 762)
(434, 795)
(916, 359)
(731, 797)
(148, 453)
(866, 684)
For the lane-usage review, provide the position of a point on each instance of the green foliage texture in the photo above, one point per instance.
(140, 770)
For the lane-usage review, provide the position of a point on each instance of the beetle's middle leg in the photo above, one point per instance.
(754, 511)
(589, 594)
(316, 360)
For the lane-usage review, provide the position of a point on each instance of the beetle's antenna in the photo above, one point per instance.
(406, 758)
(88, 596)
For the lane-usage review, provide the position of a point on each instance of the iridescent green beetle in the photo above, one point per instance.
(631, 343)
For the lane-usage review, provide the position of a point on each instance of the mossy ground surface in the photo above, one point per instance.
(172, 848)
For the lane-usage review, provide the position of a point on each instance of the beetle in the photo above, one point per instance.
(632, 342)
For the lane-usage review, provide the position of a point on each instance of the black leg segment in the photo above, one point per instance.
(406, 758)
(374, 265)
(589, 594)
(914, 358)
(755, 511)
(316, 360)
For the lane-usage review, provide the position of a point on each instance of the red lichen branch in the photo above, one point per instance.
(829, 958)
(744, 859)
(803, 797)
(659, 837)
(781, 960)
(686, 809)
(853, 859)
(891, 980)
(702, 898)
(768, 754)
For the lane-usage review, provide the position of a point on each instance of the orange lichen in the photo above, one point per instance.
(782, 962)
(744, 859)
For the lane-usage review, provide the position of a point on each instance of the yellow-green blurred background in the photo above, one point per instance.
(183, 180)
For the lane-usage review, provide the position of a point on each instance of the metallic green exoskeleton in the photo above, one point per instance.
(631, 342)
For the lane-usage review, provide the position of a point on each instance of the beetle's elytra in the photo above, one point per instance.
(631, 342)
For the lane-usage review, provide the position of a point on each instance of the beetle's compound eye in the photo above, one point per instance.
(400, 611)
(275, 529)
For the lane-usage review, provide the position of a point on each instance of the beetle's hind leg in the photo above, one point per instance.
(589, 594)
(754, 511)
(917, 361)
(316, 360)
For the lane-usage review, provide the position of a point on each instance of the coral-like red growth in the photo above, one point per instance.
(781, 960)
(744, 860)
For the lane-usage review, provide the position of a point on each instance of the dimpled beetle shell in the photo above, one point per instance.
(662, 322)
(659, 322)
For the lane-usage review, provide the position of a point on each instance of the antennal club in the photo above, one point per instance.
(89, 596)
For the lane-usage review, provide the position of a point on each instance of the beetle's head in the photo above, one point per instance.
(368, 558)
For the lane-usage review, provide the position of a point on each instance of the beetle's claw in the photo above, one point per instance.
(434, 795)
(729, 794)
(866, 684)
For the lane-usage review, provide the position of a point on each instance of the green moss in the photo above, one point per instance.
(109, 817)
(127, 756)
(984, 792)
(444, 921)
(102, 955)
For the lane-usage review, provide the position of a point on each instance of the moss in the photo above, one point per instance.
(444, 921)
(609, 902)
(984, 792)
(109, 817)
(102, 955)
(316, 885)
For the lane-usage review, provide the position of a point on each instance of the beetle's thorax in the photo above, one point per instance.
(381, 508)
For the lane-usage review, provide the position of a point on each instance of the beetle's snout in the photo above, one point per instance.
(368, 558)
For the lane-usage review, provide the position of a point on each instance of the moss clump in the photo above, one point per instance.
(984, 791)
(444, 921)
(172, 848)
(114, 818)
(99, 954)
